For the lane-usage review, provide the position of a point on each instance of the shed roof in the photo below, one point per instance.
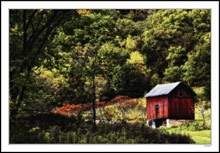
(165, 89)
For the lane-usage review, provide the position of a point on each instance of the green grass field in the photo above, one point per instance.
(200, 137)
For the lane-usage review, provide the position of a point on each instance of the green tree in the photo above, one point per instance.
(198, 67)
(128, 81)
(176, 58)
(177, 45)
(164, 29)
(109, 56)
(30, 32)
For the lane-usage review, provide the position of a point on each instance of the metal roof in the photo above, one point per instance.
(162, 89)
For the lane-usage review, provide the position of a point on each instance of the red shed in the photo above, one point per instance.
(169, 103)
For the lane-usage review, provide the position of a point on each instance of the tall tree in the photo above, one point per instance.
(30, 32)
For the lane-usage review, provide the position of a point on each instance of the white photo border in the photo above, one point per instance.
(214, 6)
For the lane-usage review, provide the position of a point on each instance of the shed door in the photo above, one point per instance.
(157, 110)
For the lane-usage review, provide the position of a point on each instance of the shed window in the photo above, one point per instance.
(180, 94)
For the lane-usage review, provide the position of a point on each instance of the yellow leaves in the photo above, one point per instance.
(84, 12)
(34, 129)
(202, 12)
(51, 77)
(148, 35)
(46, 74)
(66, 38)
(15, 29)
(120, 41)
(130, 43)
(106, 46)
(207, 38)
(136, 58)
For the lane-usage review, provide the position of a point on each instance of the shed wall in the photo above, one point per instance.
(181, 104)
(162, 102)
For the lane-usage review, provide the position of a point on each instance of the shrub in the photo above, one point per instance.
(70, 110)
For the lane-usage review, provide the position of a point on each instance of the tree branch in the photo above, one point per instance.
(25, 31)
(48, 32)
(30, 18)
(35, 36)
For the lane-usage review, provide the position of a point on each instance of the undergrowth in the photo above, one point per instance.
(70, 132)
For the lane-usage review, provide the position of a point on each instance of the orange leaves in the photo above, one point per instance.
(101, 104)
(87, 106)
(118, 98)
(69, 110)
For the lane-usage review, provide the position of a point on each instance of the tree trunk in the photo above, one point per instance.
(14, 111)
(20, 94)
(203, 117)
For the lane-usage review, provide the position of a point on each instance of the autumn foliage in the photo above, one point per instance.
(70, 109)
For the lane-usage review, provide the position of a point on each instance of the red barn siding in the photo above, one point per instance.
(162, 102)
(181, 107)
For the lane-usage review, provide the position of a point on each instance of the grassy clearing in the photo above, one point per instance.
(200, 137)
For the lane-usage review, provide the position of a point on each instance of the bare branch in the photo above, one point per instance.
(30, 18)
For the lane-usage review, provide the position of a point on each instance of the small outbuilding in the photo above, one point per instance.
(170, 104)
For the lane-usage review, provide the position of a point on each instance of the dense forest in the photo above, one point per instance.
(84, 56)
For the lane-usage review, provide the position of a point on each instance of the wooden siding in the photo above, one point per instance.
(181, 105)
(162, 102)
